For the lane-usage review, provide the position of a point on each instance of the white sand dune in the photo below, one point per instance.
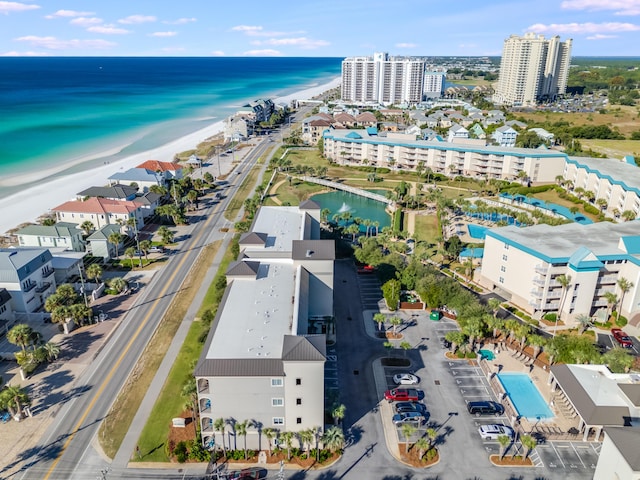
(34, 201)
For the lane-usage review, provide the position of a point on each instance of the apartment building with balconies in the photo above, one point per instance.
(263, 360)
(28, 275)
(525, 264)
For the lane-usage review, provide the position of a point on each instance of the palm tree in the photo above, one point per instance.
(333, 439)
(628, 215)
(306, 437)
(624, 285)
(270, 434)
(190, 393)
(13, 398)
(118, 284)
(87, 226)
(612, 300)
(456, 338)
(564, 281)
(219, 425)
(165, 234)
(114, 239)
(287, 438)
(145, 246)
(20, 335)
(504, 441)
(241, 430)
(523, 331)
(407, 430)
(474, 328)
(432, 434)
(131, 253)
(52, 350)
(422, 444)
(529, 443)
(495, 324)
(537, 342)
(395, 322)
(511, 325)
(584, 322)
(338, 412)
(94, 272)
(380, 319)
(494, 305)
(405, 346)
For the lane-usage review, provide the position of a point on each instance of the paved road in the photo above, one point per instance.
(63, 446)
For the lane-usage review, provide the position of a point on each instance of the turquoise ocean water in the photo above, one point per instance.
(55, 110)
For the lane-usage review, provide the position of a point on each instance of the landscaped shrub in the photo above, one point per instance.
(591, 209)
(551, 317)
(181, 452)
(621, 321)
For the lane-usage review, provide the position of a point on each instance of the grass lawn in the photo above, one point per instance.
(242, 194)
(115, 426)
(552, 197)
(295, 192)
(614, 148)
(426, 228)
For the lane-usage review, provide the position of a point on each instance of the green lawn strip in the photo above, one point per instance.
(242, 194)
(613, 148)
(551, 196)
(426, 229)
(297, 191)
(170, 403)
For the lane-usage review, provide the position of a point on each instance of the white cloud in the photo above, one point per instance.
(180, 21)
(258, 31)
(133, 19)
(248, 29)
(86, 21)
(302, 42)
(217, 53)
(10, 7)
(406, 45)
(163, 34)
(585, 28)
(69, 13)
(619, 7)
(599, 36)
(268, 52)
(173, 49)
(23, 54)
(108, 30)
(53, 43)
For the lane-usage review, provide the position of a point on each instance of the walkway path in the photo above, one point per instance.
(347, 188)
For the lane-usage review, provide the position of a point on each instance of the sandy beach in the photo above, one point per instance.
(34, 201)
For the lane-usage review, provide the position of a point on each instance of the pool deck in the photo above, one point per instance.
(506, 360)
(458, 226)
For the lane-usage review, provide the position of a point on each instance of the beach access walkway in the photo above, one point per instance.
(346, 188)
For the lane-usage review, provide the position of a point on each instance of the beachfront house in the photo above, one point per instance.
(100, 212)
(99, 244)
(113, 192)
(262, 109)
(7, 317)
(28, 275)
(63, 235)
(168, 170)
(239, 126)
(148, 202)
(505, 136)
(264, 357)
(141, 177)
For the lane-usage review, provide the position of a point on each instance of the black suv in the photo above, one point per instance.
(485, 408)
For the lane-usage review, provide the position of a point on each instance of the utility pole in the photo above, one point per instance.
(135, 231)
(82, 288)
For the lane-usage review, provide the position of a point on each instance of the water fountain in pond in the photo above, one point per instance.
(344, 208)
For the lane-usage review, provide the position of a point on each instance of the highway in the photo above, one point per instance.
(64, 446)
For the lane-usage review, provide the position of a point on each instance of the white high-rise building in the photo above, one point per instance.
(383, 79)
(532, 69)
(434, 83)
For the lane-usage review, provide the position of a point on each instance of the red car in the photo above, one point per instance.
(403, 395)
(622, 338)
(366, 269)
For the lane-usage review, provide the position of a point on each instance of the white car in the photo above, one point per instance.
(492, 432)
(405, 379)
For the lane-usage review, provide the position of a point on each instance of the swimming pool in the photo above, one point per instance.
(525, 396)
(477, 231)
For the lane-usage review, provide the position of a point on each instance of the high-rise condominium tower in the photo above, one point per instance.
(383, 79)
(532, 69)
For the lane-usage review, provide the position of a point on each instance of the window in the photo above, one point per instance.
(501, 279)
(276, 382)
(504, 258)
(277, 402)
(503, 268)
(506, 246)
(298, 381)
(278, 420)
(299, 420)
(298, 401)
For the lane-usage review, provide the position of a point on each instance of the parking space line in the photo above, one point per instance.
(557, 454)
(579, 457)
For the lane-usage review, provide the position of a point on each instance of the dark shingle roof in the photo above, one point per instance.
(591, 413)
(309, 205)
(632, 391)
(626, 440)
(313, 250)
(299, 348)
(114, 191)
(5, 296)
(240, 367)
(253, 238)
(243, 269)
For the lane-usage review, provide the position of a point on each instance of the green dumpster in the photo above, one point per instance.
(434, 315)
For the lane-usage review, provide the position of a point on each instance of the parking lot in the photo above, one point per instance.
(370, 292)
(608, 342)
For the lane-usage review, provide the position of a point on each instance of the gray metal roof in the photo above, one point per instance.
(309, 205)
(243, 269)
(632, 391)
(5, 296)
(104, 232)
(16, 264)
(602, 413)
(626, 441)
(240, 367)
(147, 198)
(303, 348)
(253, 238)
(59, 230)
(313, 250)
(114, 191)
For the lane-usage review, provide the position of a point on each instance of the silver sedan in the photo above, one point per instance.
(405, 379)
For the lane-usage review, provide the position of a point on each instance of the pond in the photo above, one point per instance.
(339, 202)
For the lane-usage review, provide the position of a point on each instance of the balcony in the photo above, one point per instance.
(203, 385)
(607, 279)
(44, 286)
(30, 286)
(539, 281)
(541, 269)
(48, 272)
(536, 292)
(205, 405)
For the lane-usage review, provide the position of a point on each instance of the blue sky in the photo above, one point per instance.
(331, 28)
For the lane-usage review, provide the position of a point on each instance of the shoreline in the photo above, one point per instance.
(36, 200)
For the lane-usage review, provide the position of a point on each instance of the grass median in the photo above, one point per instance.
(245, 190)
(116, 424)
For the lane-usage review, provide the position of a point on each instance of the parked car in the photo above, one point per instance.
(402, 407)
(366, 269)
(156, 249)
(254, 473)
(622, 338)
(412, 418)
(403, 395)
(485, 408)
(405, 379)
(492, 432)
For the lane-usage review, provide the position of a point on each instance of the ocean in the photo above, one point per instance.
(57, 110)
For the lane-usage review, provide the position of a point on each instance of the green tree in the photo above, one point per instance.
(306, 438)
(407, 431)
(145, 246)
(624, 285)
(380, 319)
(619, 360)
(584, 322)
(456, 338)
(395, 322)
(51, 350)
(537, 342)
(337, 413)
(14, 398)
(87, 226)
(422, 444)
(114, 239)
(504, 441)
(241, 430)
(391, 292)
(219, 425)
(333, 439)
(118, 284)
(529, 443)
(406, 346)
(612, 300)
(20, 335)
(270, 434)
(94, 272)
(287, 438)
(131, 254)
(165, 234)
(565, 282)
